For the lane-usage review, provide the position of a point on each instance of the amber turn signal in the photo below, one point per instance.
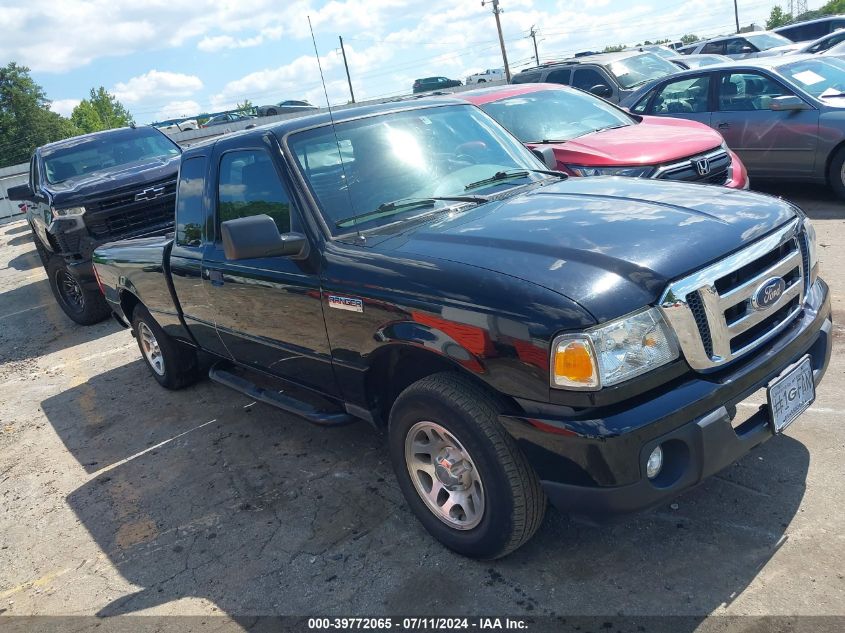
(575, 364)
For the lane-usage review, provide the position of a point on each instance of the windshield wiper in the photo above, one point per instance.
(403, 204)
(513, 173)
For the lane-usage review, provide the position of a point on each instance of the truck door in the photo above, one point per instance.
(268, 310)
(187, 252)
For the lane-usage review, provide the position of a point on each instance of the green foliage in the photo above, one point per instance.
(245, 108)
(25, 118)
(690, 38)
(778, 17)
(101, 111)
(614, 48)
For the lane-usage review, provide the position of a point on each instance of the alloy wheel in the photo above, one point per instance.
(444, 475)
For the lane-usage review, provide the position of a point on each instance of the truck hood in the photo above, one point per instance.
(654, 141)
(609, 244)
(79, 189)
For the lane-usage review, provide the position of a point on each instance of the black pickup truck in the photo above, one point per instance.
(91, 189)
(517, 335)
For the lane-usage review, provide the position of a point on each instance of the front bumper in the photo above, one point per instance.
(593, 465)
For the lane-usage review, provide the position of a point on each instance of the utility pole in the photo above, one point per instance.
(533, 36)
(496, 12)
(736, 15)
(345, 65)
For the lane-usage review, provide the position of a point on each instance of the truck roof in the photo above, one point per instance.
(338, 115)
(75, 140)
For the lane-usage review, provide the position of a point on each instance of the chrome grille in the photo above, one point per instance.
(711, 311)
(718, 163)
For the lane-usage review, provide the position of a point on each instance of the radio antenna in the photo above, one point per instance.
(334, 131)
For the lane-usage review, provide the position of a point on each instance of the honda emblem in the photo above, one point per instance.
(702, 166)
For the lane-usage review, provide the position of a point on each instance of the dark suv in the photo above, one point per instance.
(612, 76)
(96, 188)
(812, 29)
(427, 84)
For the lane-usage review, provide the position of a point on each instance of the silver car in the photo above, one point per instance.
(745, 45)
(784, 116)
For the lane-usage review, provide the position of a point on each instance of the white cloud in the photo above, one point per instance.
(64, 106)
(222, 42)
(178, 109)
(155, 83)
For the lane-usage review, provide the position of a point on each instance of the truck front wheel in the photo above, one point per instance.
(461, 473)
(174, 366)
(85, 306)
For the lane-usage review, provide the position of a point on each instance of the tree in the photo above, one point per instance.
(245, 108)
(778, 18)
(100, 111)
(614, 48)
(26, 120)
(690, 39)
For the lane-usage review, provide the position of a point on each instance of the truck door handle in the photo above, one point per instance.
(723, 126)
(216, 277)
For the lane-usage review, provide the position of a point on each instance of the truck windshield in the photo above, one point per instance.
(555, 115)
(87, 155)
(425, 153)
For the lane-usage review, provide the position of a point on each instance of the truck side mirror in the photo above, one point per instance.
(547, 155)
(21, 192)
(601, 90)
(257, 236)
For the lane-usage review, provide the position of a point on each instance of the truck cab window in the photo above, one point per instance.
(249, 185)
(189, 208)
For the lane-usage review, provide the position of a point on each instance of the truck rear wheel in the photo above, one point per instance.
(461, 473)
(85, 306)
(173, 365)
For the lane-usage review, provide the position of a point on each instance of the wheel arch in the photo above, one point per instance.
(829, 161)
(397, 365)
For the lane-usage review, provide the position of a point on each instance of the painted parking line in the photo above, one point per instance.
(125, 460)
(6, 316)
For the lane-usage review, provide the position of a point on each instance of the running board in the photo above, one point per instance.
(278, 400)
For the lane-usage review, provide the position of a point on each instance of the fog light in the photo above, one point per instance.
(654, 463)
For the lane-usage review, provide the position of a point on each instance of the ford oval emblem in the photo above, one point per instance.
(768, 293)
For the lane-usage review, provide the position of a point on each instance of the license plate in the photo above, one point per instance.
(790, 394)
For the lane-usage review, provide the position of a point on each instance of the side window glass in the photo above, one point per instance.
(249, 185)
(189, 207)
(640, 108)
(739, 46)
(739, 92)
(586, 78)
(685, 96)
(717, 48)
(560, 76)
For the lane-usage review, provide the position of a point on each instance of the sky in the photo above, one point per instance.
(173, 58)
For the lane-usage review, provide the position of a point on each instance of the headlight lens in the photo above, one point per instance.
(613, 353)
(812, 249)
(63, 213)
(633, 172)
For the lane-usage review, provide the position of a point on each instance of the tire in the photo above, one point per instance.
(83, 305)
(174, 366)
(272, 112)
(500, 503)
(836, 173)
(482, 81)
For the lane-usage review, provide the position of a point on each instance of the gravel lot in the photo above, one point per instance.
(118, 497)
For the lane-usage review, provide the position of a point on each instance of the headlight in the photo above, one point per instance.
(63, 213)
(612, 353)
(633, 172)
(812, 249)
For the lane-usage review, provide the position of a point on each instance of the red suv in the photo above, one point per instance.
(591, 137)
